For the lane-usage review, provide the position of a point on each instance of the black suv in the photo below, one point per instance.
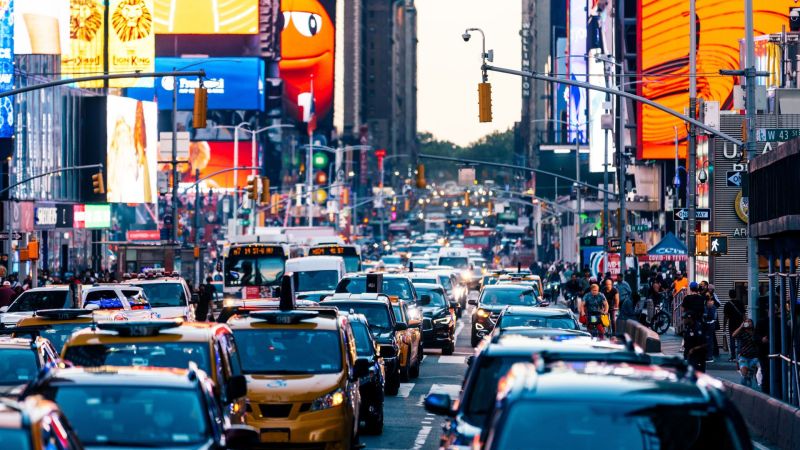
(370, 386)
(491, 303)
(439, 322)
(580, 404)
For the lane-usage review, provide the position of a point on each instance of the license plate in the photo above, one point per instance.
(274, 436)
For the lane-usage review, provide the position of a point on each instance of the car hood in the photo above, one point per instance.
(203, 446)
(431, 311)
(290, 388)
(492, 308)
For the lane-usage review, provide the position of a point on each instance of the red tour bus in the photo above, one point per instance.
(477, 238)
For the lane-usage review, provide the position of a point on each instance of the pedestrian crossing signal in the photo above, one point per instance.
(718, 245)
(98, 185)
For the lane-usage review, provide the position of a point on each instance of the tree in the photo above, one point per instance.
(495, 147)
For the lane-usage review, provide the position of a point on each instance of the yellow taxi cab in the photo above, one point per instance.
(410, 354)
(21, 359)
(169, 343)
(35, 424)
(302, 373)
(57, 325)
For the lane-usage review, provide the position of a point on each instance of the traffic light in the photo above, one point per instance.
(466, 199)
(200, 107)
(252, 188)
(98, 185)
(485, 102)
(320, 177)
(421, 183)
(264, 190)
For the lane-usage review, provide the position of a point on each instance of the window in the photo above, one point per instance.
(156, 354)
(17, 366)
(364, 346)
(289, 351)
(104, 299)
(164, 294)
(35, 300)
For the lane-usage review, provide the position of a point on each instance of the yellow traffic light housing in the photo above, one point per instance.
(200, 107)
(265, 191)
(421, 183)
(485, 102)
(98, 186)
(252, 188)
(701, 244)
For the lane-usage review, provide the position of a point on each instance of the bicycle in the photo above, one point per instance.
(661, 320)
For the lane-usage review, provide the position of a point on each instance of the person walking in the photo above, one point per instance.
(694, 302)
(694, 341)
(733, 316)
(710, 324)
(7, 294)
(205, 307)
(748, 351)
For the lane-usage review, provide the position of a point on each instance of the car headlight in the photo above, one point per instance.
(483, 313)
(329, 400)
(445, 319)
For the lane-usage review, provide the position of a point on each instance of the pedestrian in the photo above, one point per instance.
(205, 307)
(612, 297)
(629, 310)
(680, 283)
(733, 316)
(7, 294)
(710, 324)
(694, 342)
(694, 302)
(761, 335)
(593, 307)
(748, 351)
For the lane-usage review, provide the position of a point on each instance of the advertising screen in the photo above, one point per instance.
(132, 154)
(206, 16)
(41, 27)
(232, 83)
(131, 39)
(92, 216)
(664, 60)
(6, 67)
(600, 141)
(86, 36)
(576, 66)
(307, 50)
(213, 156)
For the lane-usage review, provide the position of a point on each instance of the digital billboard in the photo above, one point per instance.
(86, 40)
(664, 60)
(599, 139)
(232, 83)
(92, 216)
(131, 39)
(578, 98)
(41, 27)
(132, 150)
(206, 16)
(213, 156)
(307, 51)
(6, 67)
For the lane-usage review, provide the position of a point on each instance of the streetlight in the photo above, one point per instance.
(703, 176)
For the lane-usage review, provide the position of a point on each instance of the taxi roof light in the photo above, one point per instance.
(62, 314)
(283, 317)
(139, 328)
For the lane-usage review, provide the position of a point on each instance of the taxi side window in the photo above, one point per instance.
(405, 310)
(101, 294)
(233, 354)
(350, 344)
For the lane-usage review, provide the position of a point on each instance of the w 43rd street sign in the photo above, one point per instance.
(776, 134)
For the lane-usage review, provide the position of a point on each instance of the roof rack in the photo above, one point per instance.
(139, 328)
(63, 313)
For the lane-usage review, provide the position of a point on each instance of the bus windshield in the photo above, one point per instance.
(253, 270)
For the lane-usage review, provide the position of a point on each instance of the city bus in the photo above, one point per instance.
(350, 253)
(477, 238)
(252, 269)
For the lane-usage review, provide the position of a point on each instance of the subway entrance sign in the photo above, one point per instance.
(776, 134)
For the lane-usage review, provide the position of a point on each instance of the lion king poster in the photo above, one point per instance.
(131, 38)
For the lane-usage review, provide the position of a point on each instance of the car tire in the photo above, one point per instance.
(373, 424)
(405, 374)
(449, 348)
(392, 386)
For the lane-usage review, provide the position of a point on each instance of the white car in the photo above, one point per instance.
(95, 297)
(169, 296)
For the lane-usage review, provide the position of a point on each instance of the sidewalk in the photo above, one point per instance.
(721, 368)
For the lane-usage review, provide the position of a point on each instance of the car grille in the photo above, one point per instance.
(275, 410)
(427, 324)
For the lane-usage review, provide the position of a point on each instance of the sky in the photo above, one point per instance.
(448, 69)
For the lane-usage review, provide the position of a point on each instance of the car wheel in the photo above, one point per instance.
(449, 348)
(405, 374)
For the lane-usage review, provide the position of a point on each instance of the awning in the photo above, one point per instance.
(669, 249)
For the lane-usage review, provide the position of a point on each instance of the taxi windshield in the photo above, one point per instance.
(459, 262)
(17, 366)
(15, 439)
(288, 351)
(317, 280)
(133, 415)
(377, 314)
(437, 299)
(170, 354)
(58, 334)
(398, 287)
(164, 294)
(36, 300)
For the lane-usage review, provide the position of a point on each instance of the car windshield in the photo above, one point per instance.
(444, 280)
(459, 262)
(17, 366)
(480, 395)
(317, 280)
(36, 300)
(398, 287)
(253, 270)
(513, 297)
(133, 415)
(164, 294)
(377, 314)
(58, 334)
(621, 426)
(167, 354)
(437, 299)
(289, 351)
(425, 281)
(363, 342)
(15, 439)
(516, 320)
(352, 263)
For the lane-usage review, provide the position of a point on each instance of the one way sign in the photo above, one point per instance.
(699, 214)
(734, 178)
(718, 245)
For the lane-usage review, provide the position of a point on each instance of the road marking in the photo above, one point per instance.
(405, 390)
(760, 446)
(452, 360)
(451, 389)
(422, 436)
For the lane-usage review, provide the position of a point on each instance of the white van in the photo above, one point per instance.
(316, 275)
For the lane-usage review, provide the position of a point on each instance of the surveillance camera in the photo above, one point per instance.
(466, 36)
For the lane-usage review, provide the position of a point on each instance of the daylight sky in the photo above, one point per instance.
(448, 69)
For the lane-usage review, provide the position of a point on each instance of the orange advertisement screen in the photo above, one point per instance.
(206, 16)
(664, 61)
(214, 156)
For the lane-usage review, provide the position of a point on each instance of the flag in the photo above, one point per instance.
(309, 113)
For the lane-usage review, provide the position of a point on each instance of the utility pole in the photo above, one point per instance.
(578, 230)
(174, 230)
(198, 255)
(623, 234)
(750, 102)
(691, 161)
(310, 180)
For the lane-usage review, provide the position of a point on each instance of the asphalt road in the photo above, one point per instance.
(406, 423)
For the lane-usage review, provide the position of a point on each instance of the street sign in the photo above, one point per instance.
(14, 236)
(734, 178)
(699, 214)
(638, 228)
(717, 245)
(776, 134)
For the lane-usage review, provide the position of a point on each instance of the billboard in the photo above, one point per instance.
(213, 156)
(6, 67)
(206, 16)
(664, 61)
(132, 152)
(131, 39)
(307, 51)
(578, 98)
(232, 83)
(86, 40)
(599, 139)
(92, 216)
(41, 27)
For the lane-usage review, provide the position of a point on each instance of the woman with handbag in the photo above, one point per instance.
(594, 312)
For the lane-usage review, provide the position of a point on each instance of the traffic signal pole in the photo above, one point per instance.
(691, 162)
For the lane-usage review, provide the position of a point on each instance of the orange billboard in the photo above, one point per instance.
(664, 61)
(206, 16)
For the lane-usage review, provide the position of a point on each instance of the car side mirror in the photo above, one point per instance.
(472, 302)
(439, 404)
(361, 367)
(400, 326)
(236, 387)
(425, 300)
(3, 309)
(195, 299)
(241, 437)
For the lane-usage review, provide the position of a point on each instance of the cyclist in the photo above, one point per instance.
(593, 306)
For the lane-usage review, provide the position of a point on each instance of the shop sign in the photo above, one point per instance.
(143, 235)
(92, 216)
(45, 216)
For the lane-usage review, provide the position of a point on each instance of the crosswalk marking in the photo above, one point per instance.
(452, 360)
(405, 390)
(451, 389)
